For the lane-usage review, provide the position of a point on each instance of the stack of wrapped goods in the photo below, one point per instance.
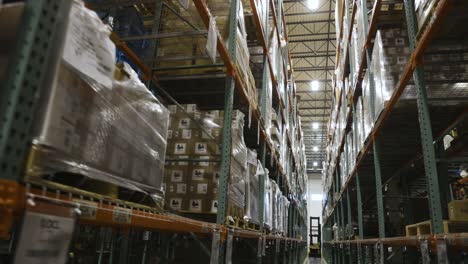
(389, 58)
(97, 120)
(254, 170)
(195, 46)
(444, 67)
(243, 59)
(268, 209)
(191, 185)
(268, 111)
(275, 196)
(276, 133)
(368, 122)
(283, 215)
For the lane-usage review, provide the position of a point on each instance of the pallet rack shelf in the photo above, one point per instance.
(375, 160)
(17, 195)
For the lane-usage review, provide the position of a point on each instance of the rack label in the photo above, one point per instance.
(44, 238)
(88, 209)
(122, 215)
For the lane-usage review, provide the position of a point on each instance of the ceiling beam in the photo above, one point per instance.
(312, 108)
(310, 22)
(309, 35)
(311, 40)
(311, 55)
(298, 69)
(309, 13)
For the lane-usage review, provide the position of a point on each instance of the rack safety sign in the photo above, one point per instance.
(45, 238)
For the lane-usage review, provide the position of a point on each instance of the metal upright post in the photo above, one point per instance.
(37, 54)
(377, 167)
(152, 52)
(425, 126)
(226, 140)
(359, 211)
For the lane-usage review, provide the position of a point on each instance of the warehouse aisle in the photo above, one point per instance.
(315, 260)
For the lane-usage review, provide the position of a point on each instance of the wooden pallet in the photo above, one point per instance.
(425, 228)
(71, 181)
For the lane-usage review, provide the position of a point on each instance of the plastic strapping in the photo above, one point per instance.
(278, 242)
(442, 251)
(264, 246)
(215, 246)
(259, 247)
(426, 259)
(229, 242)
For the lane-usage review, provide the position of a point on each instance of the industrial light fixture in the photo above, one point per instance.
(315, 164)
(316, 197)
(315, 148)
(314, 85)
(312, 4)
(315, 125)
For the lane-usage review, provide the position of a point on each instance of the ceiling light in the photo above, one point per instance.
(315, 149)
(314, 85)
(315, 164)
(315, 125)
(312, 4)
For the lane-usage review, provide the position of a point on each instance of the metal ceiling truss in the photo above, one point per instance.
(312, 44)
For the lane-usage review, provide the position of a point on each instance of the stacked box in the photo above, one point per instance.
(274, 205)
(268, 209)
(191, 185)
(359, 126)
(253, 189)
(389, 58)
(368, 121)
(283, 215)
(98, 125)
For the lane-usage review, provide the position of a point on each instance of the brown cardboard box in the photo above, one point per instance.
(458, 210)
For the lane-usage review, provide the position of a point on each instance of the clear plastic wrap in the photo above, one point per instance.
(268, 104)
(389, 58)
(237, 179)
(359, 127)
(254, 170)
(366, 107)
(268, 212)
(191, 185)
(92, 124)
(275, 196)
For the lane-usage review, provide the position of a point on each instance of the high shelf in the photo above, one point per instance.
(401, 178)
(118, 222)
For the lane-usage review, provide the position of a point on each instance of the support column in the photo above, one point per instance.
(430, 167)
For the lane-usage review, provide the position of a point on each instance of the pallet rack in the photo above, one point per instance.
(386, 153)
(18, 101)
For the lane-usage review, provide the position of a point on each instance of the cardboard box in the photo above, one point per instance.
(458, 210)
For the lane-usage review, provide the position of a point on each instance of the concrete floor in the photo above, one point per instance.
(314, 261)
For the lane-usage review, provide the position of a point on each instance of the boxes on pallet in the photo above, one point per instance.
(188, 141)
(368, 121)
(96, 124)
(458, 210)
(268, 209)
(255, 170)
(389, 58)
(275, 196)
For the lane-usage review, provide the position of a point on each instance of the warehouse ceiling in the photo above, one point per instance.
(312, 43)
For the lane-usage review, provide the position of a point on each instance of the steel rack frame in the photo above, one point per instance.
(352, 189)
(19, 95)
